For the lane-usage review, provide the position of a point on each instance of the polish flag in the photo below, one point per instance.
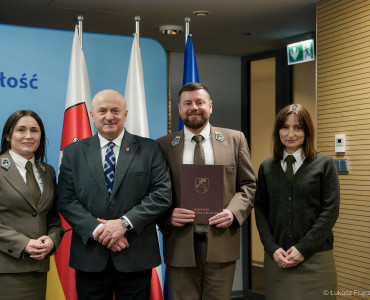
(76, 126)
(137, 123)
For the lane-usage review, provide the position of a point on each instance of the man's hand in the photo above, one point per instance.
(182, 216)
(121, 244)
(110, 233)
(40, 248)
(223, 219)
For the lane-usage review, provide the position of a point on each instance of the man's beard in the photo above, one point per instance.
(195, 124)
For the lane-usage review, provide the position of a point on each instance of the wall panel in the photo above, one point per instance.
(343, 106)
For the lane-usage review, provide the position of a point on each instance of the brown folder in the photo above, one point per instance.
(202, 190)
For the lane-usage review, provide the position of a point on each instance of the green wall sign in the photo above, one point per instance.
(300, 52)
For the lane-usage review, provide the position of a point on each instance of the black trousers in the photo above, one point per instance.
(102, 285)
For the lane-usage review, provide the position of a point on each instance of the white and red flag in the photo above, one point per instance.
(76, 126)
(137, 123)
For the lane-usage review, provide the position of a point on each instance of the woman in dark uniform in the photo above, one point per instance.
(30, 227)
(297, 205)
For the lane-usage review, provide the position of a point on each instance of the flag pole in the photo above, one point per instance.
(137, 25)
(80, 20)
(187, 23)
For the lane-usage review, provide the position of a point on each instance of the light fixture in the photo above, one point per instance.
(201, 13)
(170, 29)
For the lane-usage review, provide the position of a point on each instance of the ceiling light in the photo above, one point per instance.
(170, 29)
(201, 13)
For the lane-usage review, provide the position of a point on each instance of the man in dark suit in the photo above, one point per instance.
(112, 188)
(201, 260)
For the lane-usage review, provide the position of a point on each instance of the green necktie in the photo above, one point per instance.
(199, 158)
(289, 168)
(32, 183)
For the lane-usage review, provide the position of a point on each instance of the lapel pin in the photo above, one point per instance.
(5, 163)
(127, 149)
(176, 141)
(219, 137)
(41, 165)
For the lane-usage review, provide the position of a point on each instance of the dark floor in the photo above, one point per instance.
(258, 285)
(257, 291)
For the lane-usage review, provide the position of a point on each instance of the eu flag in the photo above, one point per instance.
(190, 68)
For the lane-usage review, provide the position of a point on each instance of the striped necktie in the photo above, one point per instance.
(109, 167)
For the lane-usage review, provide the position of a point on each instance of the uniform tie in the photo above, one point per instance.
(32, 183)
(198, 150)
(109, 167)
(289, 169)
(199, 159)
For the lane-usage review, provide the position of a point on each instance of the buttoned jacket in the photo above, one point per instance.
(141, 191)
(239, 184)
(22, 220)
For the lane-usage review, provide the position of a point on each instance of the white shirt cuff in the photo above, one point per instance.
(97, 227)
(132, 226)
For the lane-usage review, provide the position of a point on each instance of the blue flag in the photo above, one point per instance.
(190, 68)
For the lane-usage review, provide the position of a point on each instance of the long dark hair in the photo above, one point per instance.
(305, 121)
(9, 128)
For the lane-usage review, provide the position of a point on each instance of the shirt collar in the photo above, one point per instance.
(117, 141)
(298, 155)
(20, 160)
(206, 133)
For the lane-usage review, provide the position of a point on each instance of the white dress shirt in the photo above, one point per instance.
(103, 148)
(20, 162)
(189, 146)
(299, 158)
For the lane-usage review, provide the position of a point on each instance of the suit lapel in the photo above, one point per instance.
(176, 152)
(94, 161)
(219, 147)
(127, 152)
(13, 176)
(46, 184)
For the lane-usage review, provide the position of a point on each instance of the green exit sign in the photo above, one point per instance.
(300, 52)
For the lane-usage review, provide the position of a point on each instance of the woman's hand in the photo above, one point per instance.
(294, 255)
(40, 248)
(281, 258)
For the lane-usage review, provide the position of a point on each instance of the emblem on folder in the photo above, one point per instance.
(201, 185)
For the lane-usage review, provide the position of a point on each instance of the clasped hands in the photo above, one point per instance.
(112, 235)
(40, 248)
(182, 216)
(288, 259)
